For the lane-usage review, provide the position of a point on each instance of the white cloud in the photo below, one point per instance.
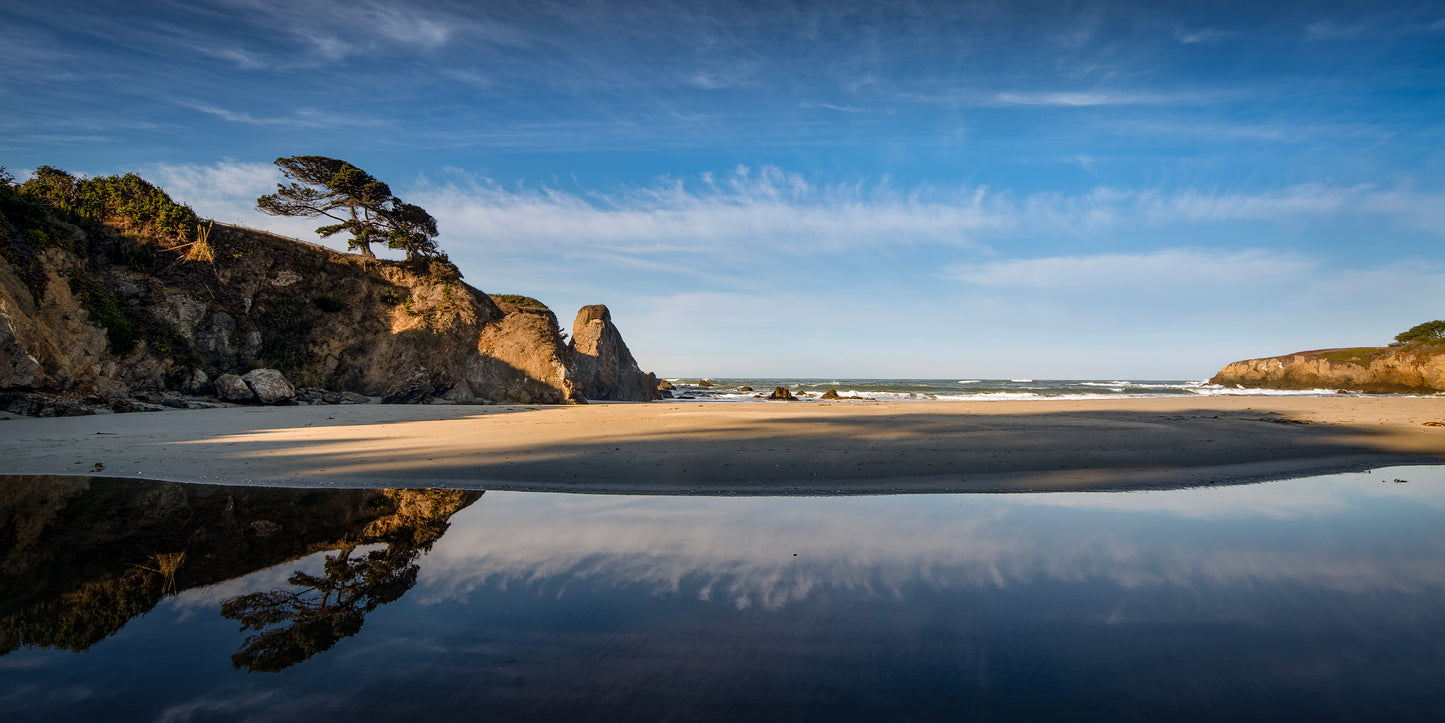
(335, 29)
(1167, 269)
(784, 213)
(1198, 35)
(224, 181)
(1332, 30)
(750, 215)
(839, 108)
(227, 191)
(1086, 98)
(767, 210)
(302, 118)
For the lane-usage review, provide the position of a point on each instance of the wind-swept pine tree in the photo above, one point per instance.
(357, 202)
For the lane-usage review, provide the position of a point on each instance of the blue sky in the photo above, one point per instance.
(950, 189)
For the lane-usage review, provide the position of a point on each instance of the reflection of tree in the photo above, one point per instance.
(317, 611)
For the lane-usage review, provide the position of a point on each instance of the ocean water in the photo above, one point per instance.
(963, 388)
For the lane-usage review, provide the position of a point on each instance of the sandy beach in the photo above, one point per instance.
(757, 448)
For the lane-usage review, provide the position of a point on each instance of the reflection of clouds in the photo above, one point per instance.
(30, 696)
(252, 702)
(741, 551)
(1288, 499)
(204, 600)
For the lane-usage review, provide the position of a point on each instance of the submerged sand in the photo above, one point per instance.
(746, 448)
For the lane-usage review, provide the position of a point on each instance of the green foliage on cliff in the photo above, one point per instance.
(1356, 354)
(119, 329)
(329, 303)
(1428, 331)
(129, 199)
(24, 233)
(526, 302)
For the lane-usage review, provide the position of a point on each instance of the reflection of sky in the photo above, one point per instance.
(1312, 598)
(770, 552)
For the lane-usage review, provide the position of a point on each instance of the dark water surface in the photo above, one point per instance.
(1318, 599)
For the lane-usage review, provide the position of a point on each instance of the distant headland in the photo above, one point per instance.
(1414, 364)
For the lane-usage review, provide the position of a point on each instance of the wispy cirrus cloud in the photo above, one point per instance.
(1162, 269)
(301, 118)
(758, 209)
(1193, 36)
(1334, 30)
(1080, 99)
(770, 210)
(334, 29)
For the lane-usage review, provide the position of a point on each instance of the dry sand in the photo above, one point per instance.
(746, 448)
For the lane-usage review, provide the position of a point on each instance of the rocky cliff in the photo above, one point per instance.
(1416, 367)
(110, 310)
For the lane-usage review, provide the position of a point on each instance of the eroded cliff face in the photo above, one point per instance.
(116, 317)
(1411, 368)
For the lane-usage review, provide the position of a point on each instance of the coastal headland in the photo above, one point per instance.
(745, 449)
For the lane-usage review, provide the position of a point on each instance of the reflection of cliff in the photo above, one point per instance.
(82, 556)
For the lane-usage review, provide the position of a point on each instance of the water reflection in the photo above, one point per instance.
(86, 555)
(316, 611)
(772, 552)
(1316, 597)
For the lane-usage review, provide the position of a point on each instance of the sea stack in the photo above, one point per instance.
(602, 367)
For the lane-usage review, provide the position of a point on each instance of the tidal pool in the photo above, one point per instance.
(1317, 598)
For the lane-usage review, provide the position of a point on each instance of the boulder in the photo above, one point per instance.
(745, 389)
(354, 398)
(830, 394)
(782, 393)
(198, 383)
(39, 404)
(414, 388)
(317, 395)
(269, 386)
(704, 383)
(233, 389)
(665, 386)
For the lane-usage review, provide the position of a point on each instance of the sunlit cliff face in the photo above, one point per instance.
(771, 552)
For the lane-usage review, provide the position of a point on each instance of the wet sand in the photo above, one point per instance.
(745, 448)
